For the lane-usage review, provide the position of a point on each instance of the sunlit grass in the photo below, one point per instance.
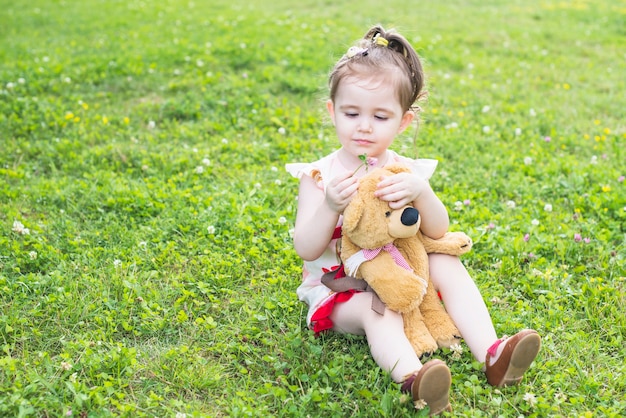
(146, 263)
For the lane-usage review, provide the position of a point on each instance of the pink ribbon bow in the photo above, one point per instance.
(392, 250)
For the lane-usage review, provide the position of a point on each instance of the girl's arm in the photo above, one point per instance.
(318, 213)
(407, 188)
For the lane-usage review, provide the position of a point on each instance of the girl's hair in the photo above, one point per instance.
(377, 53)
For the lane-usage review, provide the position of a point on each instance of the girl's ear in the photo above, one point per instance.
(407, 118)
(331, 109)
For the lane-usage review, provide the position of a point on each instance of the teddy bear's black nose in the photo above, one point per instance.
(409, 216)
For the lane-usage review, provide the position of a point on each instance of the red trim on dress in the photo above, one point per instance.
(321, 318)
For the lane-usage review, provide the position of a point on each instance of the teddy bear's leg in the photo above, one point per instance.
(417, 333)
(439, 323)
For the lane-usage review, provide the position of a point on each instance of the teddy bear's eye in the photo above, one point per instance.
(388, 214)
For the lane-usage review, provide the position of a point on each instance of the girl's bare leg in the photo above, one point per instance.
(463, 302)
(388, 344)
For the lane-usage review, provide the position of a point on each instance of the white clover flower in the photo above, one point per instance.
(210, 229)
(242, 45)
(257, 185)
(486, 109)
(528, 160)
(510, 204)
(10, 85)
(206, 161)
(199, 169)
(458, 205)
(143, 244)
(547, 207)
(20, 229)
(224, 141)
(282, 220)
(200, 63)
(486, 129)
(151, 124)
(535, 222)
(181, 415)
(532, 112)
(518, 131)
(21, 80)
(419, 404)
(73, 378)
(594, 159)
(282, 131)
(274, 169)
(560, 397)
(67, 80)
(278, 182)
(33, 255)
(117, 262)
(457, 350)
(530, 398)
(65, 365)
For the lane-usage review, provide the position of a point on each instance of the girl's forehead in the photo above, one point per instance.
(356, 85)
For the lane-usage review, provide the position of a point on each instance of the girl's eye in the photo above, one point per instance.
(352, 115)
(381, 117)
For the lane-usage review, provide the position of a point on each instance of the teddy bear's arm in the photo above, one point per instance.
(452, 243)
(400, 289)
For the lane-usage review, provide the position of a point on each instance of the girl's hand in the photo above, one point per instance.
(401, 189)
(340, 191)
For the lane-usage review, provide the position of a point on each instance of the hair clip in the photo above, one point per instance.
(379, 40)
(355, 50)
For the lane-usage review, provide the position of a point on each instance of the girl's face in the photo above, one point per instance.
(367, 115)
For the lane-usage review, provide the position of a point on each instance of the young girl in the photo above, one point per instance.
(374, 88)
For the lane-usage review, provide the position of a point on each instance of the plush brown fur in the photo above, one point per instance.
(370, 223)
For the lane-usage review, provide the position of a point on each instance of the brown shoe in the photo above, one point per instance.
(431, 385)
(516, 357)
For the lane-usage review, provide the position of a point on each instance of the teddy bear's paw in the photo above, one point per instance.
(448, 342)
(452, 243)
(425, 347)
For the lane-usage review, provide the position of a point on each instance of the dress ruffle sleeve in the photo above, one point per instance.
(423, 167)
(297, 170)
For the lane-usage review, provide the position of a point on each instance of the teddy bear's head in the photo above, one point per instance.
(369, 222)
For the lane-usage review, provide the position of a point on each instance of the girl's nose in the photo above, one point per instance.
(365, 127)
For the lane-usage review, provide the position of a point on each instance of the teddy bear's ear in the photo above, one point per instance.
(397, 168)
(352, 214)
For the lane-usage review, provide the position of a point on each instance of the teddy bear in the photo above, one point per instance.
(385, 248)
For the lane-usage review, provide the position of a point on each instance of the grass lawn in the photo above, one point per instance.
(146, 262)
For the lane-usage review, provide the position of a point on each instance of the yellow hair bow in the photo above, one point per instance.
(379, 40)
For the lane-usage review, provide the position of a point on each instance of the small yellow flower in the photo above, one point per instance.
(126, 120)
(566, 86)
(607, 131)
(85, 106)
(586, 136)
(461, 114)
(105, 120)
(69, 115)
(76, 119)
(596, 122)
(606, 188)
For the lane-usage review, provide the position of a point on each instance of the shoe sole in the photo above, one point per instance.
(433, 386)
(523, 355)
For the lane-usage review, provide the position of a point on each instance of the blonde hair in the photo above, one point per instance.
(382, 52)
